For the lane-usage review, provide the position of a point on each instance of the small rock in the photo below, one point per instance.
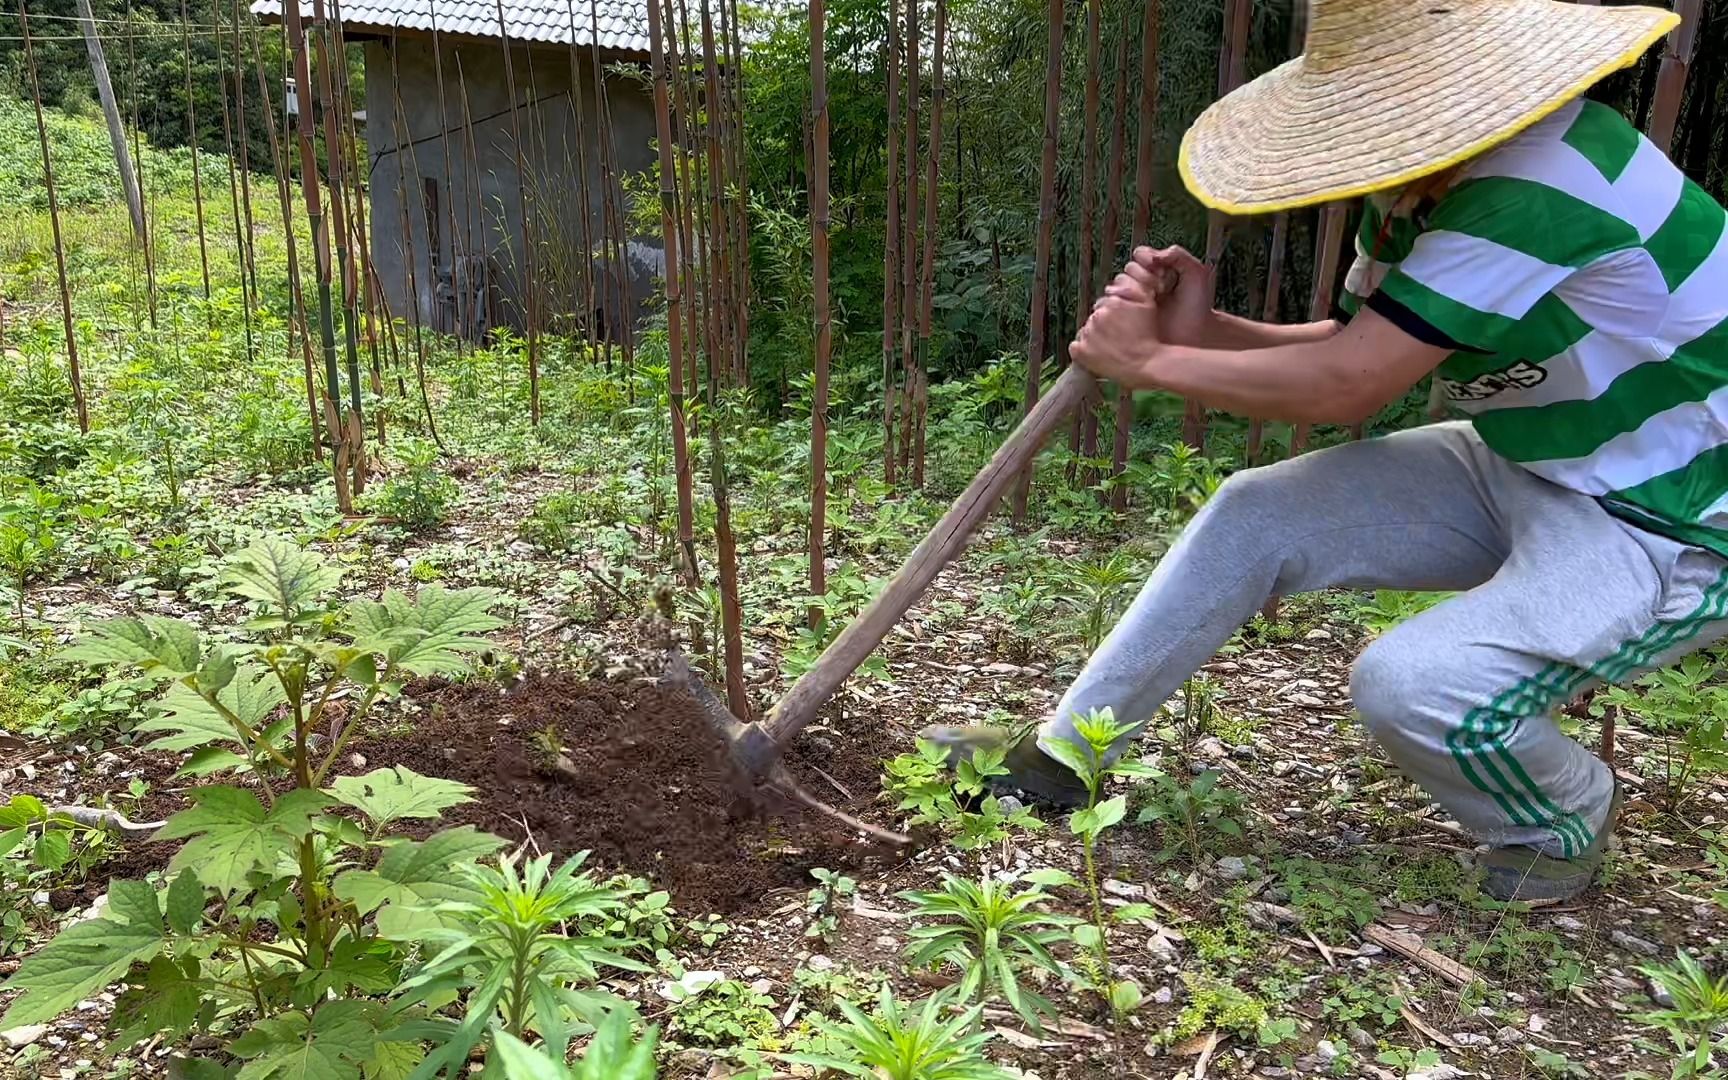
(1567, 922)
(1509, 1036)
(1123, 889)
(20, 1037)
(1470, 1038)
(762, 986)
(751, 972)
(820, 962)
(1009, 805)
(1245, 752)
(1163, 995)
(1231, 868)
(1660, 995)
(1273, 1072)
(1326, 1051)
(1536, 1024)
(1633, 943)
(1368, 948)
(1360, 1038)
(887, 941)
(401, 563)
(1318, 635)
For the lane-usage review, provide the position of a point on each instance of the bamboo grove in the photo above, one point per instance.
(1100, 191)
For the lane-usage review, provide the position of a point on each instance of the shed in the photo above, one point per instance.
(447, 200)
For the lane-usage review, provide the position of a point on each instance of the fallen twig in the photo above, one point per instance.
(1427, 1030)
(112, 820)
(1411, 947)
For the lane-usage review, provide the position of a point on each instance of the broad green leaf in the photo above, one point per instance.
(218, 671)
(21, 810)
(331, 1046)
(191, 721)
(185, 903)
(180, 1068)
(414, 875)
(1110, 811)
(1050, 876)
(150, 642)
(429, 634)
(231, 834)
(86, 956)
(1126, 996)
(392, 1061)
(522, 1062)
(167, 1000)
(12, 838)
(1071, 755)
(53, 849)
(386, 795)
(279, 572)
(363, 964)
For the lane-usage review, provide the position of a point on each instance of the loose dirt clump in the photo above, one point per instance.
(622, 769)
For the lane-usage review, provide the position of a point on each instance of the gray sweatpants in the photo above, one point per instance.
(1556, 595)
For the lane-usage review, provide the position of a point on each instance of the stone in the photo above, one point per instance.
(20, 1037)
(1231, 868)
(1163, 995)
(1660, 995)
(1568, 923)
(1470, 1038)
(1633, 943)
(1509, 1036)
(820, 962)
(1009, 805)
(1326, 1051)
(1123, 889)
(1360, 1038)
(1318, 635)
(751, 972)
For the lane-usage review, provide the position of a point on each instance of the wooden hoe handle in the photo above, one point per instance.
(937, 550)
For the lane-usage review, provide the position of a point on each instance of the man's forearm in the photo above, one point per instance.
(1234, 332)
(1293, 382)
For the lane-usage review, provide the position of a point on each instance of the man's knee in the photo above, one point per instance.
(1396, 682)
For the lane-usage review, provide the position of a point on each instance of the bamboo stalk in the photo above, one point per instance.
(1330, 236)
(1112, 219)
(613, 215)
(339, 229)
(405, 137)
(819, 211)
(242, 229)
(529, 284)
(1677, 50)
(368, 295)
(909, 301)
(456, 289)
(674, 288)
(585, 223)
(1146, 135)
(320, 232)
(111, 115)
(74, 372)
(738, 174)
(720, 219)
(932, 160)
(689, 196)
(891, 245)
(1274, 264)
(1046, 235)
(296, 296)
(192, 140)
(1085, 272)
(471, 173)
(142, 179)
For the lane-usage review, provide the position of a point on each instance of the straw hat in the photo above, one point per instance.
(1391, 90)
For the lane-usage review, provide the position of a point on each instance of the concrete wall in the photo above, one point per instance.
(444, 203)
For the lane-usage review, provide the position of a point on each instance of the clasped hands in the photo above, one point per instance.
(1162, 297)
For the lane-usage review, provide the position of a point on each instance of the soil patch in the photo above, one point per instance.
(650, 793)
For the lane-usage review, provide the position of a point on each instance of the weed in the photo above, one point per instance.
(612, 1054)
(1098, 591)
(920, 783)
(1408, 1061)
(1349, 1001)
(727, 1013)
(1383, 609)
(1696, 1024)
(826, 901)
(1332, 905)
(418, 496)
(1687, 706)
(1216, 1005)
(896, 1045)
(993, 934)
(1191, 816)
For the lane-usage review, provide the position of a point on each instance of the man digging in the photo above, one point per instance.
(1569, 288)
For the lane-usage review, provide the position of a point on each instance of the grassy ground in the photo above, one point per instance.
(1261, 897)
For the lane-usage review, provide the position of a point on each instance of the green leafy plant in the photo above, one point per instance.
(39, 849)
(612, 1054)
(504, 943)
(895, 1044)
(29, 538)
(1214, 1004)
(1687, 706)
(823, 904)
(959, 803)
(417, 496)
(1098, 590)
(1191, 815)
(992, 933)
(1696, 1024)
(1383, 609)
(725, 1013)
(267, 909)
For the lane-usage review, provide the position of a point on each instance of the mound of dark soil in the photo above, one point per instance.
(646, 791)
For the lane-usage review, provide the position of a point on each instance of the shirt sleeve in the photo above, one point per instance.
(1491, 250)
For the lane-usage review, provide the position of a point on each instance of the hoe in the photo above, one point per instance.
(754, 749)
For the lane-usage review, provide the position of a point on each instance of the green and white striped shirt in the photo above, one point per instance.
(1582, 281)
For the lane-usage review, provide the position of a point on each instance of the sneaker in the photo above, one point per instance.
(1030, 769)
(1519, 872)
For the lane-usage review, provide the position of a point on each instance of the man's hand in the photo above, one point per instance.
(1182, 286)
(1122, 331)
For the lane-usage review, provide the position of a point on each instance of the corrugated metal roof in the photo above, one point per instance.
(622, 24)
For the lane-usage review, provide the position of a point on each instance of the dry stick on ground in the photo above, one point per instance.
(1330, 234)
(74, 372)
(891, 244)
(912, 50)
(1046, 232)
(1677, 52)
(242, 229)
(674, 287)
(819, 302)
(296, 296)
(927, 301)
(1106, 260)
(405, 138)
(584, 198)
(529, 285)
(192, 142)
(319, 229)
(1146, 135)
(1085, 273)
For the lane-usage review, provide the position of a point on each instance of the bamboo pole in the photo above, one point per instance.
(193, 141)
(457, 298)
(111, 115)
(530, 284)
(470, 175)
(74, 372)
(694, 287)
(1106, 259)
(674, 288)
(819, 211)
(1046, 235)
(1146, 135)
(1329, 237)
(1085, 272)
(891, 245)
(138, 160)
(242, 229)
(1677, 51)
(909, 301)
(720, 217)
(932, 195)
(612, 217)
(296, 295)
(584, 197)
(1274, 264)
(320, 232)
(333, 130)
(738, 176)
(405, 137)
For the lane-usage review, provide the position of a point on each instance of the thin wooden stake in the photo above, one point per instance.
(1085, 273)
(1677, 51)
(909, 301)
(932, 195)
(74, 372)
(585, 222)
(193, 142)
(1146, 135)
(1330, 236)
(891, 245)
(405, 137)
(1046, 236)
(530, 284)
(242, 229)
(819, 301)
(1112, 220)
(111, 114)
